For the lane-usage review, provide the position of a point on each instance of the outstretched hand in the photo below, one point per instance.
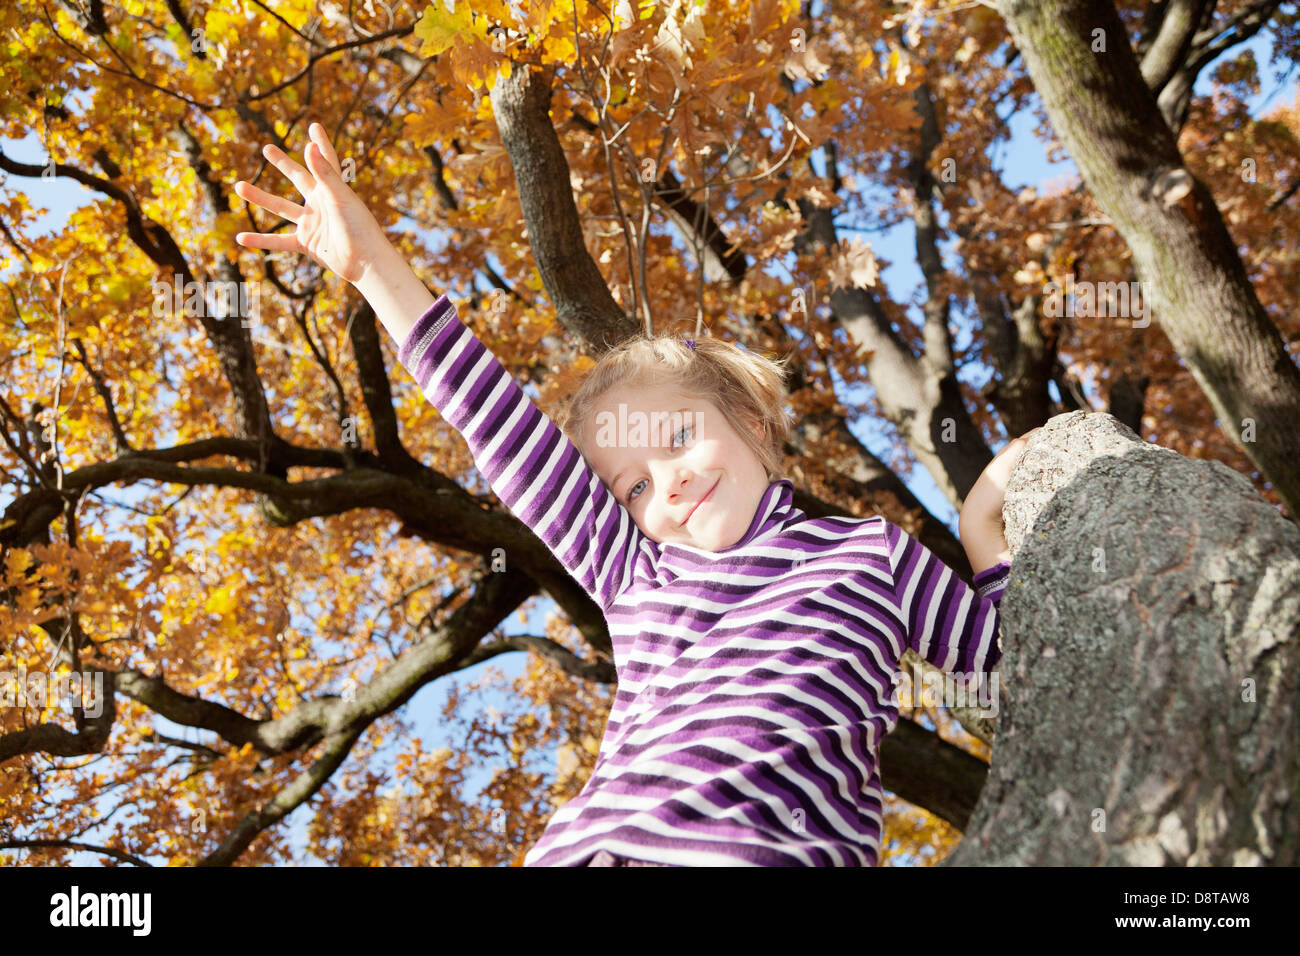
(334, 226)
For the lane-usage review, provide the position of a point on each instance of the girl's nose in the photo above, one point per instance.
(681, 479)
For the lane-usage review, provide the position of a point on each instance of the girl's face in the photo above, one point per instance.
(676, 465)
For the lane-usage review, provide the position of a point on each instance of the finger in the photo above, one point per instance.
(319, 165)
(319, 136)
(273, 204)
(267, 240)
(301, 179)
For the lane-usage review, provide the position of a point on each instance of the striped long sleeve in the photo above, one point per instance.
(949, 623)
(529, 462)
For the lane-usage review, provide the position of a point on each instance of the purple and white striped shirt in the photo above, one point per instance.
(755, 683)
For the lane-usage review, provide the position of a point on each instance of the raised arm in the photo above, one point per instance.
(949, 623)
(524, 456)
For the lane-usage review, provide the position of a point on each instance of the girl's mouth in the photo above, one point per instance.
(706, 497)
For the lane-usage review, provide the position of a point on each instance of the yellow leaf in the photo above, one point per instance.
(500, 73)
(559, 49)
(18, 560)
(221, 601)
(438, 28)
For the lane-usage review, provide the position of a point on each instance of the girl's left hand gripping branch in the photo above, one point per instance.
(335, 228)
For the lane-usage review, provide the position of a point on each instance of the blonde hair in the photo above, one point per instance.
(745, 386)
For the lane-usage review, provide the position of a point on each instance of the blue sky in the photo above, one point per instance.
(1024, 163)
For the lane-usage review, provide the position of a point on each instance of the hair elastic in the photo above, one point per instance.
(690, 344)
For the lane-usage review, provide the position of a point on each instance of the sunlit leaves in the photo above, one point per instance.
(440, 27)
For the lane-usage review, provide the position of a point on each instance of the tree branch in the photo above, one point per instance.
(578, 291)
(73, 845)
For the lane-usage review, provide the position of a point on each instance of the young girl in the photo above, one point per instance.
(757, 650)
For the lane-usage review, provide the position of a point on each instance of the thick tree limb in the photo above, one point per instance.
(862, 476)
(183, 21)
(599, 671)
(937, 336)
(1151, 662)
(376, 391)
(59, 741)
(922, 768)
(496, 598)
(1175, 92)
(430, 505)
(1191, 273)
(698, 226)
(300, 789)
(1166, 53)
(582, 301)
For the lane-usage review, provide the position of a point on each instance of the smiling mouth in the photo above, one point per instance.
(701, 501)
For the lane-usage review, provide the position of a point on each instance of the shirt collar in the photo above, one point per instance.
(775, 511)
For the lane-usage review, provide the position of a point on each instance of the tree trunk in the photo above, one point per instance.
(1191, 276)
(1149, 676)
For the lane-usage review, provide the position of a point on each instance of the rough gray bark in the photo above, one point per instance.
(1151, 640)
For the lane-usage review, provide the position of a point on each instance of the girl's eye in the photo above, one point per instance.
(681, 431)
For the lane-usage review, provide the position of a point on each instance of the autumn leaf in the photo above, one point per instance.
(807, 63)
(441, 24)
(853, 265)
(222, 601)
